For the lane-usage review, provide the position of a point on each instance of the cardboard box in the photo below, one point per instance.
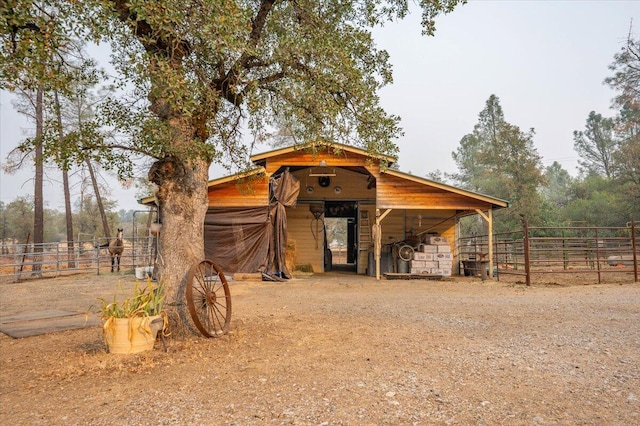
(443, 256)
(427, 248)
(418, 263)
(437, 240)
(445, 272)
(426, 264)
(422, 256)
(445, 264)
(421, 271)
(444, 248)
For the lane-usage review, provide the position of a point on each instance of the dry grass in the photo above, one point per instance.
(341, 349)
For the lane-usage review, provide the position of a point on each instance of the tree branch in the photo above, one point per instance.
(166, 45)
(227, 84)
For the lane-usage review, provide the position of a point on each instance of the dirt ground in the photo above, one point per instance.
(341, 350)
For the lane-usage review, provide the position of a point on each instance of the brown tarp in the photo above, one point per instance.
(253, 239)
(237, 238)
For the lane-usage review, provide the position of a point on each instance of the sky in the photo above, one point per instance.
(545, 60)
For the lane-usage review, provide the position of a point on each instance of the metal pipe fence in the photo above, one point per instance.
(557, 250)
(25, 261)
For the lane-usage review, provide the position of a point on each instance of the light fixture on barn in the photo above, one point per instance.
(317, 210)
(322, 170)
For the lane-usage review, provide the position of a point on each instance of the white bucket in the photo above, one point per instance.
(143, 272)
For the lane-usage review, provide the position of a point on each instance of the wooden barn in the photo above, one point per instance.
(320, 207)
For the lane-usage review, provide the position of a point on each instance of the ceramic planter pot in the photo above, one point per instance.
(131, 335)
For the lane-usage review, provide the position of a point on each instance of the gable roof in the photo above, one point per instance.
(260, 158)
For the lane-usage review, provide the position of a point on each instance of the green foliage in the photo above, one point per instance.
(87, 219)
(596, 145)
(336, 229)
(596, 202)
(557, 191)
(142, 302)
(39, 46)
(500, 160)
(626, 75)
(609, 191)
(473, 225)
(17, 219)
(198, 71)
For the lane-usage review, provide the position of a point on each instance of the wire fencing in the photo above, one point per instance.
(25, 261)
(555, 250)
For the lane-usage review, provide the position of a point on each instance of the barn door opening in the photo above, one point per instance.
(340, 227)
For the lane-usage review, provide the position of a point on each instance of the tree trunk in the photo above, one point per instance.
(182, 204)
(38, 200)
(96, 190)
(68, 220)
(65, 186)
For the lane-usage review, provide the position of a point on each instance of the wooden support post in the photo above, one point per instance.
(489, 218)
(378, 238)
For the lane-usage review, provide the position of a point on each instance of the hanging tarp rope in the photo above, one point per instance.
(284, 193)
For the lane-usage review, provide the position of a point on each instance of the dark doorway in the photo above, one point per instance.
(340, 227)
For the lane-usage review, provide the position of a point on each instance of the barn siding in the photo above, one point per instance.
(299, 226)
(397, 193)
(246, 192)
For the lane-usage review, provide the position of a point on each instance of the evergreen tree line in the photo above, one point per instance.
(499, 159)
(17, 216)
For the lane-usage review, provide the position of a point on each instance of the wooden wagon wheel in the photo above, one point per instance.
(208, 299)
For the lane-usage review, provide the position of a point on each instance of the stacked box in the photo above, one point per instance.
(437, 240)
(444, 257)
(441, 257)
(433, 258)
(424, 264)
(423, 267)
(423, 256)
(428, 248)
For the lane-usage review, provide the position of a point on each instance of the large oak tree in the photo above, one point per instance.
(200, 72)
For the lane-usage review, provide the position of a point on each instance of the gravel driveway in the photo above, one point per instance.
(341, 350)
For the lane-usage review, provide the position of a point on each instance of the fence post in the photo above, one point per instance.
(598, 256)
(97, 251)
(565, 253)
(58, 259)
(527, 259)
(634, 249)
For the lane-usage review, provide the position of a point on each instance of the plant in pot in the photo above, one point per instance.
(132, 325)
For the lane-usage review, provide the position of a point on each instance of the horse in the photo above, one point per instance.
(116, 247)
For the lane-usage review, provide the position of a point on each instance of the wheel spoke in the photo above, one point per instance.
(208, 299)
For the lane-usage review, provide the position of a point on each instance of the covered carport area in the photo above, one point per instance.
(396, 190)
